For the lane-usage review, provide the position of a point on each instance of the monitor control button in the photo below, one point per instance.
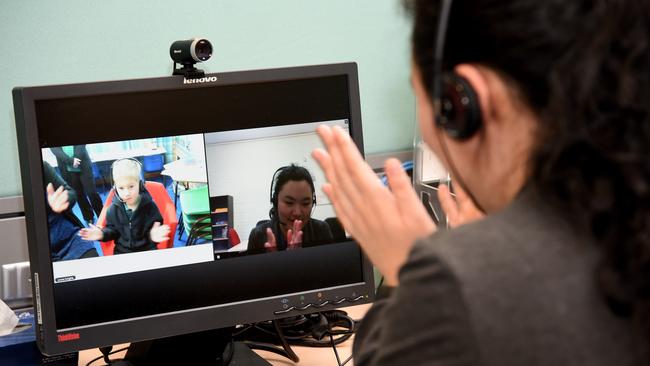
(339, 301)
(304, 307)
(322, 304)
(284, 311)
(356, 298)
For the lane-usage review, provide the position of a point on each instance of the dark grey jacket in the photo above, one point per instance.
(517, 288)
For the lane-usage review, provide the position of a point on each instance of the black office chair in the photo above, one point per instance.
(261, 222)
(338, 233)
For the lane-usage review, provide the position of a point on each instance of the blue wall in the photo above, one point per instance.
(59, 42)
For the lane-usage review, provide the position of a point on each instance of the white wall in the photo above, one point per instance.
(60, 42)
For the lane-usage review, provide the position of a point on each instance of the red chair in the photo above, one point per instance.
(165, 206)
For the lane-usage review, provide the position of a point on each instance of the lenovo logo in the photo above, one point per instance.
(208, 79)
(68, 337)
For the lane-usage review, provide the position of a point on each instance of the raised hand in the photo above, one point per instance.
(58, 200)
(384, 222)
(159, 233)
(460, 210)
(294, 236)
(270, 245)
(91, 233)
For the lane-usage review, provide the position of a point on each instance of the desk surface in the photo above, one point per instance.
(308, 355)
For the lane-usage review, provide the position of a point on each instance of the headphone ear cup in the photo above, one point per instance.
(460, 112)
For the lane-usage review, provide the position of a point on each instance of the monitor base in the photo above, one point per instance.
(209, 348)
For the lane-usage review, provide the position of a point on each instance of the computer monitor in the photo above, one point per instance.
(206, 151)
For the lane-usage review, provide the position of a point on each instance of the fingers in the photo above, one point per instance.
(400, 185)
(159, 232)
(270, 244)
(353, 186)
(341, 207)
(406, 199)
(90, 234)
(297, 225)
(448, 204)
(57, 199)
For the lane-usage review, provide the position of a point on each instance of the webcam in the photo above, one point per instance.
(187, 53)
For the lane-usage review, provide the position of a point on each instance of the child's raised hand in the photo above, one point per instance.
(91, 233)
(57, 199)
(159, 233)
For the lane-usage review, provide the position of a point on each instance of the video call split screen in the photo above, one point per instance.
(213, 192)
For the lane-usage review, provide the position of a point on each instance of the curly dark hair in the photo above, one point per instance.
(583, 69)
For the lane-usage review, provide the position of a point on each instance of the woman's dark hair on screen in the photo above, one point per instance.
(584, 68)
(281, 177)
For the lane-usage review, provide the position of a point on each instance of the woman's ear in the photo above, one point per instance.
(476, 77)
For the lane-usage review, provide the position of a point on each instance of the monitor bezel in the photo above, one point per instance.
(180, 322)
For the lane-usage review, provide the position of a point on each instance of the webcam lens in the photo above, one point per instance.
(203, 50)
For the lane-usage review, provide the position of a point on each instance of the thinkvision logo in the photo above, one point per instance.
(66, 337)
(203, 80)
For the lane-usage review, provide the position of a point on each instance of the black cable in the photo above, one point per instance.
(266, 347)
(106, 351)
(324, 329)
(292, 355)
(105, 356)
(336, 353)
(231, 352)
(346, 360)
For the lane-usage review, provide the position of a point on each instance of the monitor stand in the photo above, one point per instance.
(208, 348)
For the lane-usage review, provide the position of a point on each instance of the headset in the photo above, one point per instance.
(274, 192)
(456, 107)
(141, 186)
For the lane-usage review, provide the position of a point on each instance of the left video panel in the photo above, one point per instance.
(114, 207)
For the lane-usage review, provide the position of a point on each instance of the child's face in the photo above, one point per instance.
(128, 188)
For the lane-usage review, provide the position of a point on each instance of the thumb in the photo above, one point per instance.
(50, 189)
(156, 225)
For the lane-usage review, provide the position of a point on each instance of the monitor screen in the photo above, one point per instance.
(166, 206)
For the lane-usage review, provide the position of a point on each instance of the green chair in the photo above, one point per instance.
(195, 211)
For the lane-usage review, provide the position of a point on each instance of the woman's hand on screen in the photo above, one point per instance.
(270, 245)
(384, 221)
(294, 236)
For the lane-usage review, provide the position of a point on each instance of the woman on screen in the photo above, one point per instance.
(291, 226)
